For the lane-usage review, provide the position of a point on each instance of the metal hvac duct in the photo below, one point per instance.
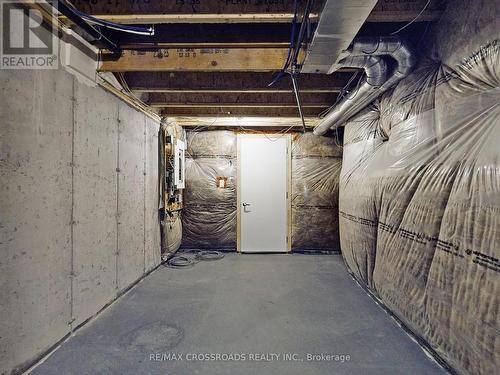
(339, 23)
(370, 54)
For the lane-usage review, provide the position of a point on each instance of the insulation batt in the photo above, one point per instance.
(316, 164)
(209, 216)
(171, 238)
(420, 206)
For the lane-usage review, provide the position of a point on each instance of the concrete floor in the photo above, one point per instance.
(245, 304)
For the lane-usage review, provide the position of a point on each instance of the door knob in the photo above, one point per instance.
(246, 204)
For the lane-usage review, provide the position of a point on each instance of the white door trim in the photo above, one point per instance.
(289, 186)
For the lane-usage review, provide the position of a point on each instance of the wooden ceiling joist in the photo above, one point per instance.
(218, 45)
(141, 90)
(199, 8)
(236, 105)
(229, 111)
(238, 122)
(248, 11)
(404, 16)
(244, 99)
(208, 34)
(231, 82)
(197, 59)
(406, 11)
(131, 19)
(253, 121)
(153, 19)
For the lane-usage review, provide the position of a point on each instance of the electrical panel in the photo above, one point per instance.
(174, 164)
(179, 166)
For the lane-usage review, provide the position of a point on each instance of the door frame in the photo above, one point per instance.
(289, 185)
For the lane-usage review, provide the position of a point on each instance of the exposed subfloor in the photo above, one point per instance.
(251, 305)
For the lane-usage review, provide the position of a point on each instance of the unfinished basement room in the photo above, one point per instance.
(250, 187)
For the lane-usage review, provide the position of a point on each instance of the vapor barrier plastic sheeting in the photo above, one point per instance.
(420, 203)
(316, 164)
(209, 216)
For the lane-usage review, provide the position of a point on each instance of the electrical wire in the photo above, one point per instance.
(413, 20)
(272, 139)
(293, 53)
(295, 43)
(209, 255)
(139, 30)
(119, 27)
(143, 106)
(291, 47)
(199, 128)
(68, 10)
(148, 31)
(343, 92)
(188, 258)
(181, 261)
(302, 31)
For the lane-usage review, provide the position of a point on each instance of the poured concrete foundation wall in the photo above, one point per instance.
(79, 204)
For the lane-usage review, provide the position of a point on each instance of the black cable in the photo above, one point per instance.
(302, 31)
(209, 255)
(283, 70)
(181, 261)
(69, 12)
(413, 20)
(188, 258)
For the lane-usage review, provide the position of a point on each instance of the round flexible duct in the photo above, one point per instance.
(368, 53)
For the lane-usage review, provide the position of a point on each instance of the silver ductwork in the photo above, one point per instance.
(370, 54)
(339, 22)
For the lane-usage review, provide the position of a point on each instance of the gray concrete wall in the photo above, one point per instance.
(152, 230)
(78, 199)
(131, 144)
(35, 215)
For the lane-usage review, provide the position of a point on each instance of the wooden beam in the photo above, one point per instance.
(216, 45)
(229, 111)
(141, 90)
(219, 8)
(235, 105)
(406, 10)
(404, 16)
(250, 121)
(216, 34)
(236, 11)
(211, 18)
(197, 59)
(231, 82)
(244, 99)
(47, 14)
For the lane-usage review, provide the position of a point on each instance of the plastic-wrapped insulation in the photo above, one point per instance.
(209, 216)
(316, 164)
(419, 204)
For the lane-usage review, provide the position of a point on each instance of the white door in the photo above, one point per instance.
(263, 181)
